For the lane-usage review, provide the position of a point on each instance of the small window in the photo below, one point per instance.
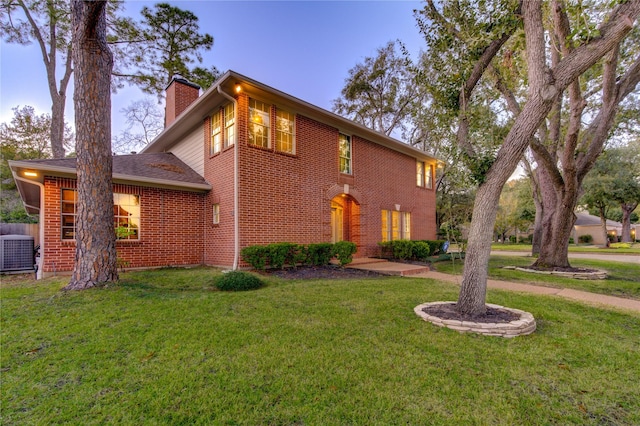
(344, 145)
(126, 216)
(259, 123)
(216, 214)
(69, 198)
(229, 125)
(216, 133)
(285, 139)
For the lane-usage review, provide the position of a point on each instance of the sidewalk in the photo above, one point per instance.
(403, 269)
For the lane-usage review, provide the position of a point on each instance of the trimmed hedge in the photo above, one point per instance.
(278, 255)
(410, 250)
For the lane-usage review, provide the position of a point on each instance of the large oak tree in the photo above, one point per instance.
(473, 36)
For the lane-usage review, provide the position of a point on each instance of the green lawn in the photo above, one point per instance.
(634, 249)
(623, 279)
(163, 347)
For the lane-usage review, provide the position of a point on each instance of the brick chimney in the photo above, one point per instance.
(180, 93)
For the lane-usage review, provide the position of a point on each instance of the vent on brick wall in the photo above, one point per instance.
(16, 253)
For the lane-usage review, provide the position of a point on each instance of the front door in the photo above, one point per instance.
(336, 224)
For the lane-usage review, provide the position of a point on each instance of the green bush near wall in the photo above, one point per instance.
(410, 250)
(279, 255)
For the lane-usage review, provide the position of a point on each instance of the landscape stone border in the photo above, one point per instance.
(596, 274)
(526, 324)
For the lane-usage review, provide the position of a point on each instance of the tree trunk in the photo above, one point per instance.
(57, 126)
(603, 226)
(627, 209)
(95, 235)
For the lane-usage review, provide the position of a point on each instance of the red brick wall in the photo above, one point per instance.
(287, 197)
(178, 97)
(171, 230)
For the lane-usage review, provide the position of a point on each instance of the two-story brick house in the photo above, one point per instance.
(242, 164)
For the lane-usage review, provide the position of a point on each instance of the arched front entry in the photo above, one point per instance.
(345, 219)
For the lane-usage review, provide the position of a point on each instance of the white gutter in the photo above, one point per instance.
(40, 220)
(236, 222)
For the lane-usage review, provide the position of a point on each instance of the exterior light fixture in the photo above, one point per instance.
(31, 174)
(397, 206)
(238, 88)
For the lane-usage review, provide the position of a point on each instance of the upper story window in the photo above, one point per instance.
(285, 138)
(216, 214)
(126, 215)
(216, 133)
(344, 146)
(424, 173)
(222, 139)
(259, 123)
(229, 125)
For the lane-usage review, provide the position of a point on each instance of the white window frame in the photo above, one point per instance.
(395, 225)
(283, 116)
(229, 125)
(216, 133)
(345, 160)
(259, 115)
(117, 218)
(216, 214)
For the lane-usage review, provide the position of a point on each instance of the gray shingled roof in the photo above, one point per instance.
(585, 219)
(162, 166)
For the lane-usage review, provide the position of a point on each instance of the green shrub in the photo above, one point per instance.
(585, 239)
(281, 254)
(299, 256)
(435, 246)
(256, 256)
(402, 249)
(344, 251)
(319, 254)
(238, 281)
(421, 250)
(386, 249)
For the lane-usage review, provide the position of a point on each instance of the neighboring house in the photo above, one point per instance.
(587, 224)
(242, 164)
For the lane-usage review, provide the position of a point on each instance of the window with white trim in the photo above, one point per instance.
(344, 147)
(229, 125)
(216, 133)
(396, 225)
(216, 214)
(259, 124)
(126, 215)
(285, 137)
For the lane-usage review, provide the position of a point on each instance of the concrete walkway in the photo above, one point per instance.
(403, 269)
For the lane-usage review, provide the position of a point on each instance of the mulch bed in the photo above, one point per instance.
(493, 315)
(320, 272)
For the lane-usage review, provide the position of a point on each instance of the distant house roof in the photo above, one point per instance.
(585, 219)
(163, 170)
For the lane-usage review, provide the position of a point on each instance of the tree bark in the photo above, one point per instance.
(627, 209)
(95, 260)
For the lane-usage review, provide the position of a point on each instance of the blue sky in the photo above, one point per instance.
(304, 48)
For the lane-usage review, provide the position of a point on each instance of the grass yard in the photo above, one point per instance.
(623, 279)
(163, 347)
(633, 250)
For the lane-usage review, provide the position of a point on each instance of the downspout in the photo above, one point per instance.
(40, 220)
(236, 222)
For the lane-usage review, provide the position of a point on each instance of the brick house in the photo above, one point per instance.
(242, 164)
